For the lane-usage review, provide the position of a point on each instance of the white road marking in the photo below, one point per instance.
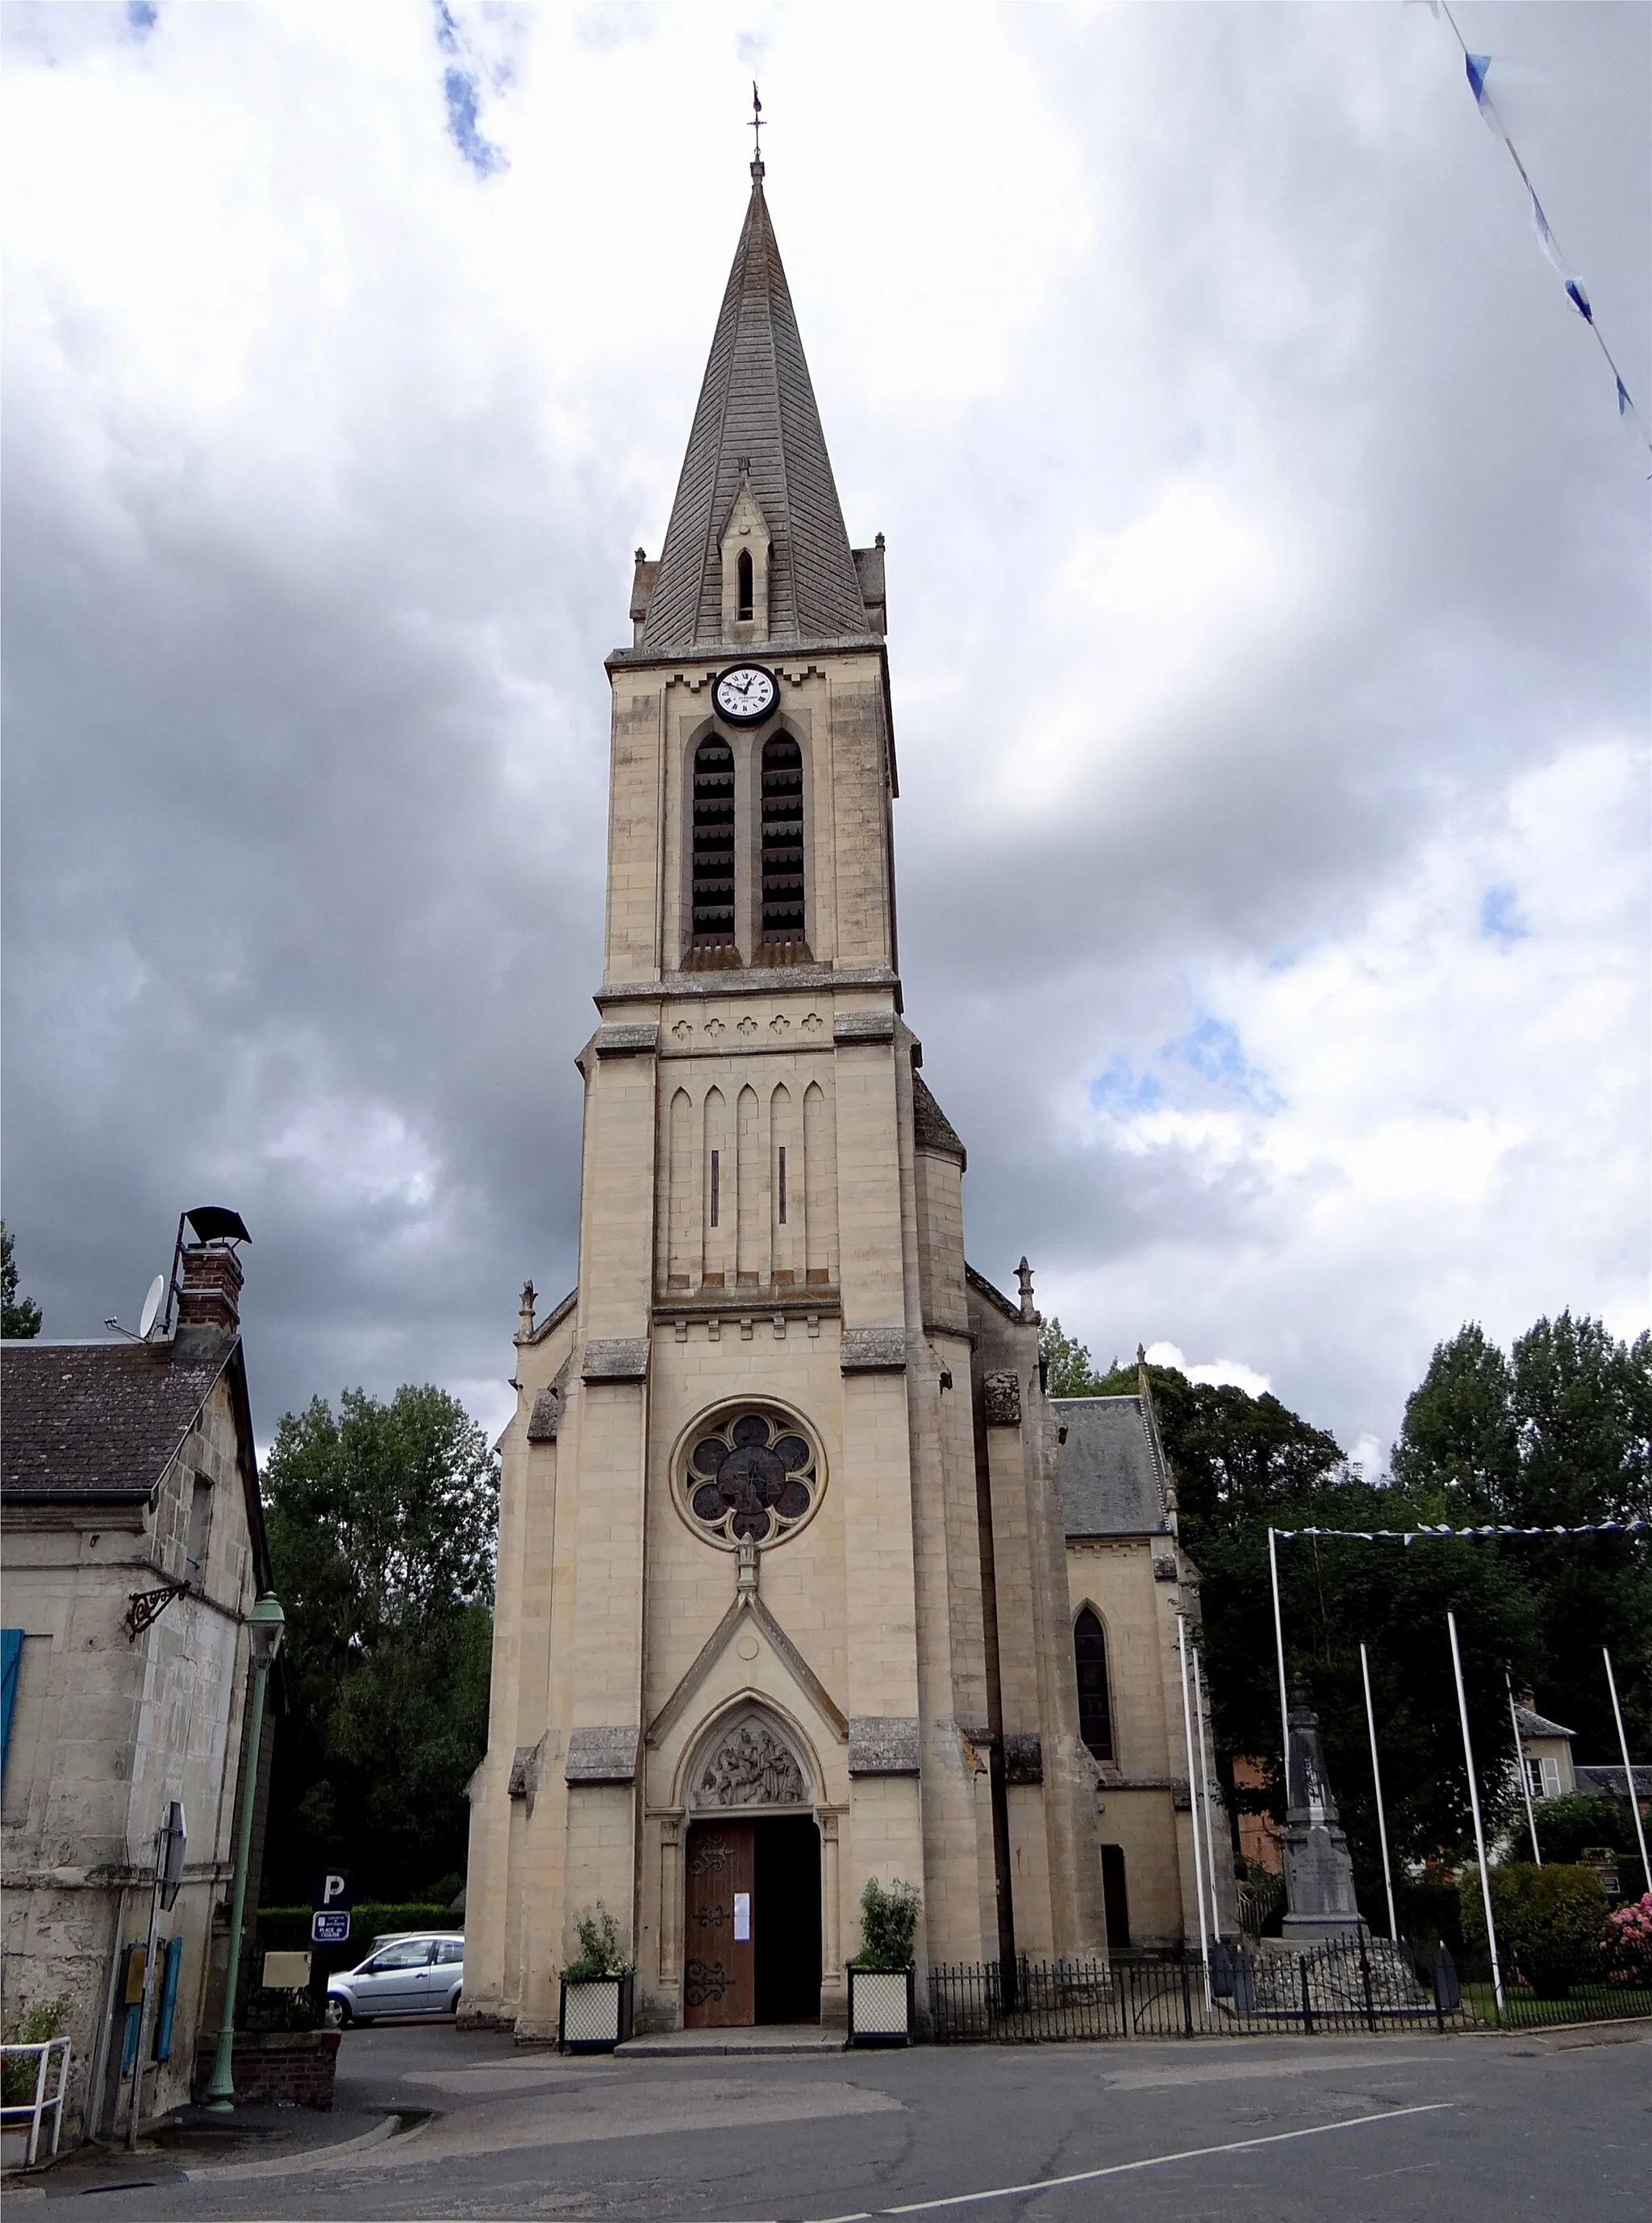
(1125, 2168)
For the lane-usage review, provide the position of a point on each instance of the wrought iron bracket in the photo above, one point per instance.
(146, 1606)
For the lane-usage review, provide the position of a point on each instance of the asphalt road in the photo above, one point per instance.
(1558, 2125)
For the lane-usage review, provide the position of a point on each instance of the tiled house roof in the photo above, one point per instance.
(100, 1423)
(1608, 1782)
(756, 406)
(1535, 1725)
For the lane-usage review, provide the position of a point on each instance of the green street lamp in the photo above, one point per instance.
(264, 1626)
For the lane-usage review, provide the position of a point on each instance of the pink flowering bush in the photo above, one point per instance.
(1629, 1943)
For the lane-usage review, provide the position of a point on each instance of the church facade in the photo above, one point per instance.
(784, 1598)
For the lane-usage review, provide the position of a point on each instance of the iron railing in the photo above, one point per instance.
(1609, 1982)
(1340, 1985)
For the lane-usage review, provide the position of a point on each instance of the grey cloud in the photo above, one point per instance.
(305, 770)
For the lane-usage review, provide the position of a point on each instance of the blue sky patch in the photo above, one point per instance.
(1124, 1093)
(1213, 1050)
(1500, 918)
(461, 90)
(480, 154)
(1208, 1061)
(141, 16)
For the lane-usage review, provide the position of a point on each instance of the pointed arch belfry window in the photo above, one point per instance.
(1094, 1699)
(743, 585)
(711, 891)
(784, 893)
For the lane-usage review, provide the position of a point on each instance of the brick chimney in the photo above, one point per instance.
(211, 1294)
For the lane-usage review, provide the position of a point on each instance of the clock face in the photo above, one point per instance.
(745, 693)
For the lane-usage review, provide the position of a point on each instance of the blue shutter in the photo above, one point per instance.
(169, 1972)
(11, 1654)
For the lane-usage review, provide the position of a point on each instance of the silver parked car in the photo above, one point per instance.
(419, 1973)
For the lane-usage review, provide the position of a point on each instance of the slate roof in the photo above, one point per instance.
(994, 1297)
(1535, 1725)
(1608, 1782)
(1112, 1477)
(100, 1423)
(932, 1129)
(757, 403)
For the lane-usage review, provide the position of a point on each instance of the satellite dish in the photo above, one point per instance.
(151, 1306)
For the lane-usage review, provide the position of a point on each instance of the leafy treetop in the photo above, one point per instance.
(382, 1522)
(20, 1317)
(1069, 1368)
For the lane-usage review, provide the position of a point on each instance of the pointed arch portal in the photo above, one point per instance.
(751, 1881)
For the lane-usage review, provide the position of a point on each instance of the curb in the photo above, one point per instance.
(404, 2125)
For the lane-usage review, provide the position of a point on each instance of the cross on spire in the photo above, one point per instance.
(757, 132)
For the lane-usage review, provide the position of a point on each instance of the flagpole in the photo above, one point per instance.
(1628, 1773)
(1474, 1802)
(1376, 1780)
(1204, 1793)
(1193, 1811)
(1279, 1653)
(1520, 1770)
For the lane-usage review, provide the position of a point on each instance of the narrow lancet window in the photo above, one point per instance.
(743, 574)
(712, 894)
(783, 906)
(1094, 1705)
(782, 1183)
(716, 1187)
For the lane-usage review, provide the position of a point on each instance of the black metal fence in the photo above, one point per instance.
(1340, 1987)
(1611, 1982)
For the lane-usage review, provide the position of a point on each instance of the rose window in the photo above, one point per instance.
(754, 1474)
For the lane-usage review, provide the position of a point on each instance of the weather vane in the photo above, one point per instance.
(757, 127)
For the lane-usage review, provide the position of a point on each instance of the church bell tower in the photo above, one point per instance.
(781, 1600)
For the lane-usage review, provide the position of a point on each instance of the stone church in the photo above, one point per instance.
(785, 1595)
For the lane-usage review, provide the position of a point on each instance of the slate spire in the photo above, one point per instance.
(757, 413)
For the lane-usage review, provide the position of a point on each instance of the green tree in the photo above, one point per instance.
(1068, 1367)
(382, 1520)
(1557, 1433)
(1242, 1465)
(20, 1317)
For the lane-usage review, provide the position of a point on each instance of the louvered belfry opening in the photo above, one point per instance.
(712, 894)
(782, 941)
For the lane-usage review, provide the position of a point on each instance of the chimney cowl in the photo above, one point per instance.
(210, 1293)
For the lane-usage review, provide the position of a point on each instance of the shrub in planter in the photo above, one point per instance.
(880, 1979)
(595, 1985)
(1551, 1921)
(888, 1924)
(599, 1946)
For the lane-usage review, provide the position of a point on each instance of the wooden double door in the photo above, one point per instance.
(751, 1939)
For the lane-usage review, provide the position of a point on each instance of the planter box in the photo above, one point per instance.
(881, 2007)
(594, 2015)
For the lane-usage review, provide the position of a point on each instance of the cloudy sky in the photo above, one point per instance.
(1268, 585)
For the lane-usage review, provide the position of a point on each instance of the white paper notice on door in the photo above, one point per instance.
(742, 1917)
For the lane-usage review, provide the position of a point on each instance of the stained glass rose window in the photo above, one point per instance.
(750, 1473)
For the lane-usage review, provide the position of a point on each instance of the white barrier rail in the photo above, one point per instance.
(48, 2098)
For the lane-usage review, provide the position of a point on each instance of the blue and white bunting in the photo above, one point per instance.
(1478, 68)
(1545, 237)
